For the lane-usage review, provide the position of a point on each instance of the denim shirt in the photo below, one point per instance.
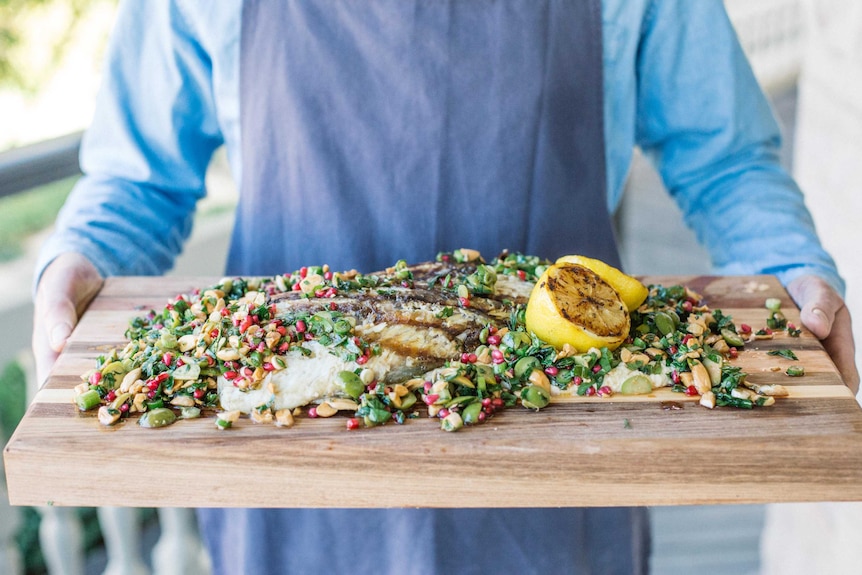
(676, 83)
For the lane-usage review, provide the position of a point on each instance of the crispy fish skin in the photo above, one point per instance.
(417, 329)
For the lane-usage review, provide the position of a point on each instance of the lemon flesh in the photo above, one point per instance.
(632, 292)
(571, 304)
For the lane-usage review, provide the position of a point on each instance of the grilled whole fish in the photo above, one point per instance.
(412, 327)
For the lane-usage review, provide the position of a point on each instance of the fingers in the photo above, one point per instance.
(840, 346)
(824, 313)
(66, 287)
(818, 304)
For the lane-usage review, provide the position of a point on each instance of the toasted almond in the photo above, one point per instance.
(284, 418)
(326, 410)
(343, 404)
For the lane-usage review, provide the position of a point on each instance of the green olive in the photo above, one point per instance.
(351, 383)
(535, 397)
(637, 384)
(408, 401)
(664, 322)
(470, 414)
(525, 366)
(732, 338)
(158, 417)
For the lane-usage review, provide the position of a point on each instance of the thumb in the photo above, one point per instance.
(60, 318)
(819, 304)
(65, 288)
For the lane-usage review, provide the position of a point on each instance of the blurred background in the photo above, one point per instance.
(807, 55)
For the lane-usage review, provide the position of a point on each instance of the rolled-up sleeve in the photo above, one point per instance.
(145, 155)
(705, 123)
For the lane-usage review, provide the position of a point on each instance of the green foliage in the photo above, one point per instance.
(15, 37)
(29, 212)
(13, 398)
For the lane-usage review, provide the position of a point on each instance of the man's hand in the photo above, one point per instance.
(66, 287)
(824, 313)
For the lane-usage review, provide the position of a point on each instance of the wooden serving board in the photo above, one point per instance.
(577, 452)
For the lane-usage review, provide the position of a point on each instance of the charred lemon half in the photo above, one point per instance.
(632, 292)
(571, 304)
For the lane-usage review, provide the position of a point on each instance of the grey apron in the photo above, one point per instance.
(380, 130)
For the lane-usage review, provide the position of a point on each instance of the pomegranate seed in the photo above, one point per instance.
(312, 412)
(605, 391)
(303, 272)
(210, 360)
(427, 386)
(152, 385)
(430, 398)
(296, 287)
(281, 330)
(522, 275)
(444, 258)
(300, 327)
(674, 376)
(124, 408)
(95, 378)
(320, 293)
(691, 390)
(733, 353)
(362, 359)
(199, 393)
(465, 357)
(688, 337)
(247, 371)
(498, 402)
(284, 347)
(213, 333)
(493, 339)
(687, 306)
(791, 326)
(180, 362)
(486, 402)
(111, 396)
(332, 306)
(591, 391)
(597, 368)
(473, 358)
(260, 346)
(443, 413)
(225, 311)
(465, 302)
(327, 276)
(673, 349)
(744, 328)
(353, 423)
(151, 394)
(482, 416)
(267, 366)
(497, 356)
(551, 371)
(246, 323)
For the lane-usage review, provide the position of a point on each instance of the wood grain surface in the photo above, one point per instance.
(660, 449)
